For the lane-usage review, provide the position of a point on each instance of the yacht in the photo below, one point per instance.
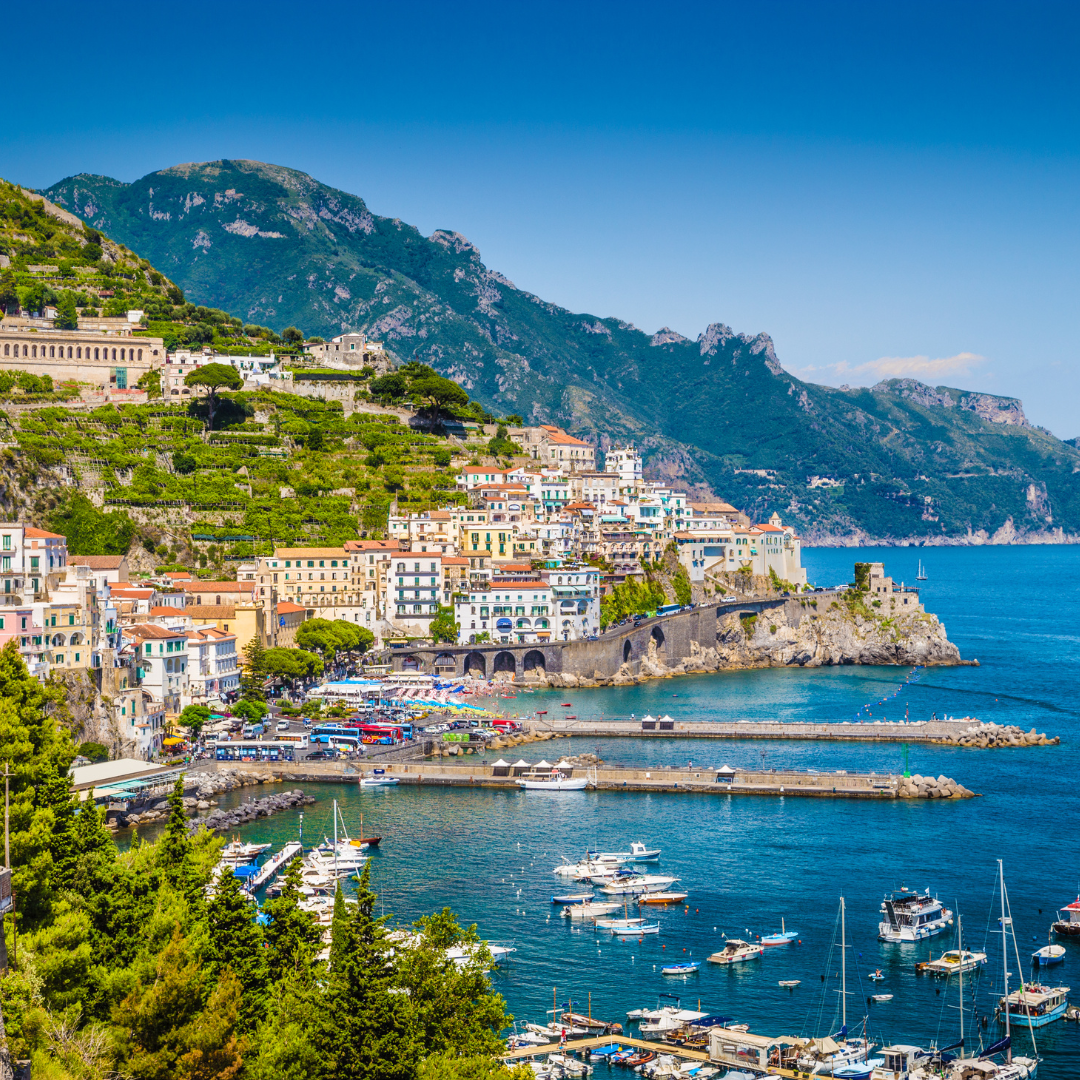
(635, 884)
(589, 910)
(736, 950)
(952, 961)
(638, 853)
(912, 916)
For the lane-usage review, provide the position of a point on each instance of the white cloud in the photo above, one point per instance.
(893, 367)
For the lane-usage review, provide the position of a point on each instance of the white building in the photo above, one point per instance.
(625, 462)
(213, 664)
(414, 592)
(162, 662)
(575, 594)
(506, 611)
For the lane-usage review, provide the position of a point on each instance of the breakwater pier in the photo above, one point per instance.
(967, 732)
(690, 780)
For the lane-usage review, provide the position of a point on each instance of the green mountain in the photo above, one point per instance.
(901, 460)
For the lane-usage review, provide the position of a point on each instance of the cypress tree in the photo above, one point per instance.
(54, 793)
(236, 944)
(174, 848)
(369, 1034)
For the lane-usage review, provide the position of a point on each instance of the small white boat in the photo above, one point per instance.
(952, 961)
(573, 898)
(618, 924)
(636, 931)
(785, 937)
(662, 898)
(789, 983)
(882, 997)
(378, 780)
(685, 969)
(588, 910)
(735, 951)
(638, 853)
(555, 782)
(460, 955)
(634, 884)
(239, 852)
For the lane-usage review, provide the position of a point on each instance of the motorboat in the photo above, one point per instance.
(1034, 1005)
(379, 781)
(951, 961)
(912, 916)
(238, 852)
(633, 884)
(662, 898)
(789, 983)
(555, 782)
(573, 898)
(638, 853)
(1069, 926)
(829, 1057)
(689, 967)
(589, 910)
(1049, 955)
(785, 937)
(735, 951)
(670, 1020)
(581, 871)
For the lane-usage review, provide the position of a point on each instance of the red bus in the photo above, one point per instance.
(381, 733)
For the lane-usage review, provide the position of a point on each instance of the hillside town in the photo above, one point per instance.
(527, 555)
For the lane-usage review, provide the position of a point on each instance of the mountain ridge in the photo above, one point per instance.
(897, 462)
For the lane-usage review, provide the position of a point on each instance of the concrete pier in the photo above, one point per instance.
(920, 731)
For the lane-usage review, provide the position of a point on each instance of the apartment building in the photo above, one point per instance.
(161, 657)
(506, 611)
(213, 664)
(414, 592)
(32, 561)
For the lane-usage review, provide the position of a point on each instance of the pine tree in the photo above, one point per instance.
(253, 675)
(174, 848)
(369, 1035)
(236, 945)
(216, 1049)
(292, 934)
(339, 929)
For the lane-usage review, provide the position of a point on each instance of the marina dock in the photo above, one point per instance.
(604, 1040)
(275, 863)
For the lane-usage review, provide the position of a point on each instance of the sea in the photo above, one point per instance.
(749, 862)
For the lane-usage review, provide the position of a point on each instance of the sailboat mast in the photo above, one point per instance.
(843, 968)
(960, 943)
(335, 839)
(1005, 958)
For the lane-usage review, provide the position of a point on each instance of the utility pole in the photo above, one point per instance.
(5, 901)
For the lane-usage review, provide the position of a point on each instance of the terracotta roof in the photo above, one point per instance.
(476, 470)
(712, 507)
(209, 632)
(287, 607)
(580, 506)
(219, 586)
(178, 575)
(98, 562)
(560, 437)
(167, 611)
(151, 630)
(41, 534)
(211, 611)
(454, 560)
(123, 591)
(371, 545)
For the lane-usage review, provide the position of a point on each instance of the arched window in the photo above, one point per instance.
(33, 350)
(78, 353)
(140, 354)
(69, 352)
(7, 350)
(122, 354)
(52, 351)
(114, 354)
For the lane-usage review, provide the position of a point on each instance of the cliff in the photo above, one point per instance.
(799, 633)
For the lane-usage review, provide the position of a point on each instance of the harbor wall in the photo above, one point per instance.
(481, 773)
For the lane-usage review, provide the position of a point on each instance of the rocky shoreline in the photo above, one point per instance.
(207, 787)
(926, 787)
(795, 634)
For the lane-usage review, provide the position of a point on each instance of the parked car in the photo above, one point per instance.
(320, 755)
(282, 725)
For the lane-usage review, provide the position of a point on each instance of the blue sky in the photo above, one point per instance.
(887, 189)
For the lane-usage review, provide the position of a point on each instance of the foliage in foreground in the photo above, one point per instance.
(142, 964)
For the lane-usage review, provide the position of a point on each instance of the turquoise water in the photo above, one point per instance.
(746, 861)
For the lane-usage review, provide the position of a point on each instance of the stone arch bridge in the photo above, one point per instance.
(670, 636)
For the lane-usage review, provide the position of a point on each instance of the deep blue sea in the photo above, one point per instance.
(746, 862)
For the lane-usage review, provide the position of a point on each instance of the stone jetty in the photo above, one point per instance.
(927, 787)
(996, 737)
(250, 811)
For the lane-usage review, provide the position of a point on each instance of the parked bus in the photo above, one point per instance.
(668, 609)
(297, 738)
(245, 750)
